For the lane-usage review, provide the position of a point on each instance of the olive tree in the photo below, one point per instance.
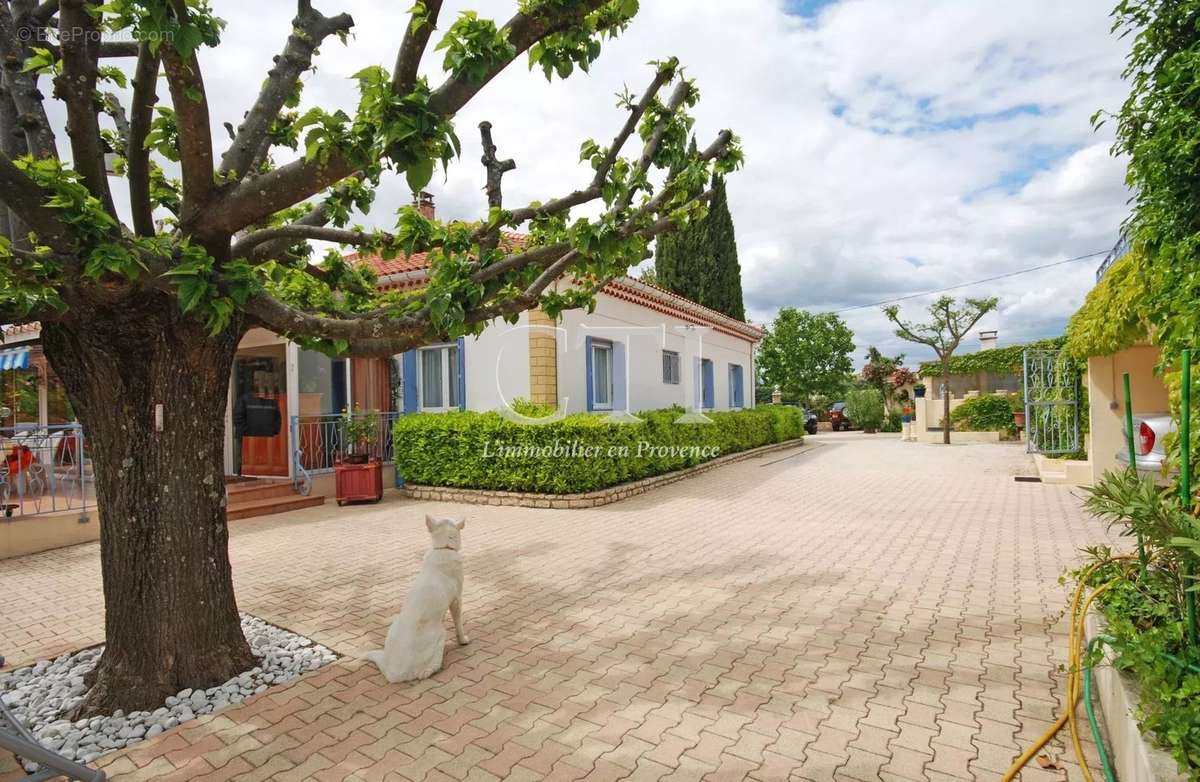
(948, 324)
(146, 308)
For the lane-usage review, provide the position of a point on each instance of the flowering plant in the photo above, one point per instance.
(359, 430)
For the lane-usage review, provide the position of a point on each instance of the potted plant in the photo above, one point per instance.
(359, 473)
(919, 390)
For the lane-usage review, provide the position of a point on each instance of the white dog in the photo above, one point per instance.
(415, 641)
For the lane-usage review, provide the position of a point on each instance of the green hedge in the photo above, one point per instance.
(998, 361)
(987, 413)
(580, 453)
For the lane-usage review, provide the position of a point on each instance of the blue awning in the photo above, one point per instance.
(17, 358)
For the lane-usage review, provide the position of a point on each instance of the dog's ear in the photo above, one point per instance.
(429, 522)
(462, 522)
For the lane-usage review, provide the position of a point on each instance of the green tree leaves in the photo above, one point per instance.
(473, 47)
(807, 355)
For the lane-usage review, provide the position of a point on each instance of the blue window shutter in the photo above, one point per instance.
(409, 363)
(707, 369)
(732, 387)
(462, 374)
(697, 384)
(618, 376)
(587, 350)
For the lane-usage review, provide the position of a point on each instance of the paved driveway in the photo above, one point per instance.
(863, 610)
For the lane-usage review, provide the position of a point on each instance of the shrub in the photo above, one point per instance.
(894, 422)
(579, 453)
(985, 413)
(864, 407)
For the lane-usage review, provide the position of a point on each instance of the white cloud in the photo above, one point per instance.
(891, 147)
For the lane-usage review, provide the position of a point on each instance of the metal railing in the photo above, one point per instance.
(43, 470)
(320, 440)
(1114, 255)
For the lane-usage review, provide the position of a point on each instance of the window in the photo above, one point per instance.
(736, 399)
(707, 384)
(602, 384)
(670, 367)
(439, 377)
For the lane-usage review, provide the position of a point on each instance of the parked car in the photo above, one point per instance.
(1148, 434)
(810, 422)
(838, 418)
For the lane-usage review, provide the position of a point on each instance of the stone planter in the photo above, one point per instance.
(359, 482)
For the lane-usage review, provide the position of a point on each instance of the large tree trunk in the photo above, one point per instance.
(945, 403)
(171, 620)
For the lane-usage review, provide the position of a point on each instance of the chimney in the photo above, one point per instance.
(987, 340)
(423, 201)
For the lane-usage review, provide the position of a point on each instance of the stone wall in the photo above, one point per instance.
(543, 360)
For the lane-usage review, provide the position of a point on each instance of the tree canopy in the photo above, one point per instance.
(807, 355)
(66, 244)
(700, 260)
(948, 323)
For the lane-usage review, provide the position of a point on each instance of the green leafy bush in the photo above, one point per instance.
(1144, 611)
(894, 422)
(578, 453)
(864, 407)
(986, 413)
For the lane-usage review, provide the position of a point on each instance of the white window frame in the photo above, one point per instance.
(605, 347)
(674, 361)
(449, 387)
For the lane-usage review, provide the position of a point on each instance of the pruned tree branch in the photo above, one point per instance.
(496, 169)
(522, 31)
(302, 179)
(309, 29)
(595, 187)
(137, 156)
(416, 38)
(244, 246)
(22, 85)
(26, 198)
(195, 135)
(77, 86)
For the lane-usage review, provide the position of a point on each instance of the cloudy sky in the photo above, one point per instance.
(892, 147)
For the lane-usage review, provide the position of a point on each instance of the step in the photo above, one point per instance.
(270, 505)
(245, 491)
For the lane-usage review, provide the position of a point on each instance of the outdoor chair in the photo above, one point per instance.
(16, 738)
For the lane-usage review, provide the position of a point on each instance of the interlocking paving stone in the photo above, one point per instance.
(867, 610)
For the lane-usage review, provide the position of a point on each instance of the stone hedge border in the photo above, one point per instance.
(592, 499)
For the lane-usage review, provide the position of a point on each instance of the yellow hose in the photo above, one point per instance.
(1075, 635)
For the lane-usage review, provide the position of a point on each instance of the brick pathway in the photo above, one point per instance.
(869, 610)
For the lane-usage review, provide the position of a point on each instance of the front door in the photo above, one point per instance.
(260, 413)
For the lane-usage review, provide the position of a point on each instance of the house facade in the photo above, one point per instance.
(641, 348)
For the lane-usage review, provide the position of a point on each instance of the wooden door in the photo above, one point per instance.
(268, 455)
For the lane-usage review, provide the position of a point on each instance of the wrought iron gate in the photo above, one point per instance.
(1051, 383)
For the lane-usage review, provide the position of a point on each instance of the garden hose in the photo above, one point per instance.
(1075, 635)
(1105, 764)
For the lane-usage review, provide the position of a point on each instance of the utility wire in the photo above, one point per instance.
(968, 284)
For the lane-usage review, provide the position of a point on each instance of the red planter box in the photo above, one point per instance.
(359, 482)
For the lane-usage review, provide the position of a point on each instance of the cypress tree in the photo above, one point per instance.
(723, 282)
(700, 260)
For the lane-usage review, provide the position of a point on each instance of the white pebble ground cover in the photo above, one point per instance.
(40, 694)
